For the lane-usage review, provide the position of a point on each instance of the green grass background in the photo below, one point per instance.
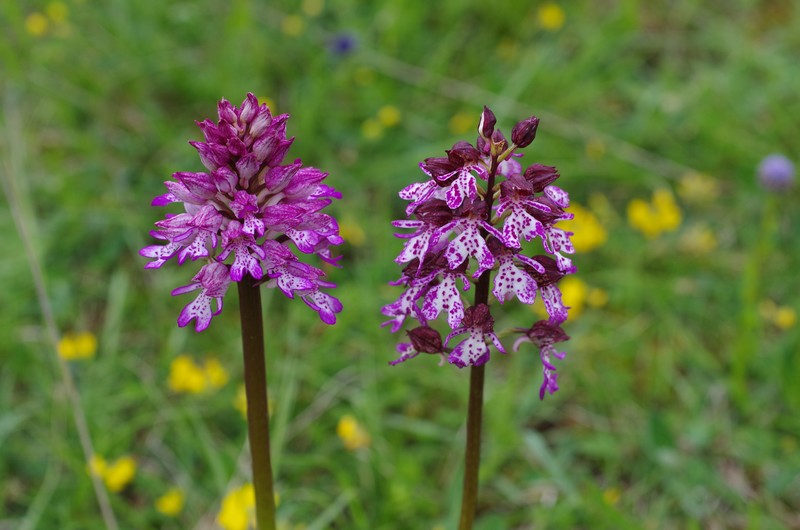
(96, 114)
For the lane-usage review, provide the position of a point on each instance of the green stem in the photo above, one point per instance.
(749, 331)
(472, 454)
(255, 383)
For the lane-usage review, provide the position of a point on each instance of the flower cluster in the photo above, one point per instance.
(241, 214)
(477, 214)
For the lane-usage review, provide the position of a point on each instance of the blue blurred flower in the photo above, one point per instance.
(342, 44)
(776, 173)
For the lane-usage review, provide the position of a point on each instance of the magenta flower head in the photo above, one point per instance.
(480, 220)
(247, 214)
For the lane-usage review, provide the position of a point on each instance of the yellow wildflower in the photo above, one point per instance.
(783, 317)
(462, 122)
(698, 188)
(312, 8)
(269, 102)
(74, 346)
(588, 233)
(240, 401)
(573, 293)
(551, 17)
(186, 376)
(116, 475)
(595, 148)
(97, 466)
(216, 375)
(371, 129)
(36, 24)
(293, 25)
(389, 115)
(611, 496)
(596, 297)
(120, 473)
(506, 50)
(352, 433)
(662, 215)
(364, 75)
(57, 11)
(237, 511)
(171, 503)
(698, 239)
(352, 232)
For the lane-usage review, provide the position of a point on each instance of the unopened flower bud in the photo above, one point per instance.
(524, 132)
(462, 154)
(426, 339)
(540, 176)
(488, 121)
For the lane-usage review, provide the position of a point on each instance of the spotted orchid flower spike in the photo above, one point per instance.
(480, 220)
(247, 214)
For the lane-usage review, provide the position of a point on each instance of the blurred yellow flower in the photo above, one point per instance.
(597, 297)
(352, 232)
(783, 317)
(611, 496)
(74, 346)
(36, 24)
(588, 233)
(551, 17)
(269, 102)
(389, 115)
(117, 474)
(171, 503)
(364, 75)
(120, 473)
(595, 148)
(463, 122)
(573, 293)
(238, 509)
(507, 49)
(698, 239)
(371, 129)
(240, 401)
(352, 433)
(576, 294)
(293, 25)
(698, 188)
(216, 376)
(187, 376)
(97, 466)
(312, 8)
(57, 11)
(660, 215)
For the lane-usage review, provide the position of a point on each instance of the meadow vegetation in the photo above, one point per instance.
(679, 404)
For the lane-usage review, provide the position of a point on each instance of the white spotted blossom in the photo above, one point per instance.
(247, 215)
(481, 220)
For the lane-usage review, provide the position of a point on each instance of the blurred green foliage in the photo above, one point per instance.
(649, 430)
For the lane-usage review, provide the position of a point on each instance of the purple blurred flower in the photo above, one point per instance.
(776, 173)
(342, 44)
(461, 232)
(245, 210)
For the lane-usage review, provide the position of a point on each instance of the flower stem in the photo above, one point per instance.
(472, 457)
(472, 454)
(255, 382)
